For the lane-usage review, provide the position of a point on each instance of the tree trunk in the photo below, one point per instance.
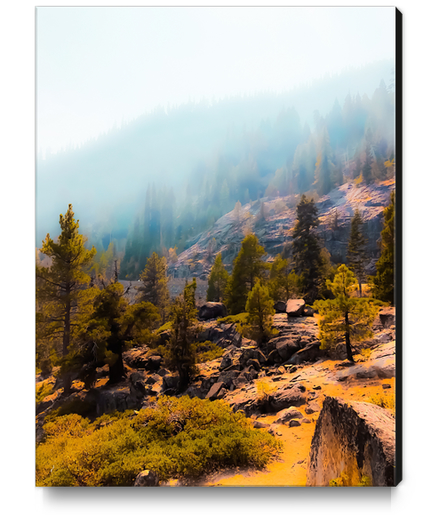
(66, 340)
(347, 336)
(116, 370)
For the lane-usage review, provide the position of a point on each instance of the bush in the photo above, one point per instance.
(176, 437)
(208, 351)
(386, 400)
(241, 318)
(42, 391)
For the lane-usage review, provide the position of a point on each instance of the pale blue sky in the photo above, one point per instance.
(99, 66)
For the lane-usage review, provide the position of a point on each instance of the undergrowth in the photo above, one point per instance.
(175, 437)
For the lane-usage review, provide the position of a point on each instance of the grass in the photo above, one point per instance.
(385, 400)
(175, 437)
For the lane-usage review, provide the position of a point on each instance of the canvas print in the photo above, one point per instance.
(217, 253)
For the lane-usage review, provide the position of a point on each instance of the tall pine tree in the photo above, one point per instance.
(62, 291)
(306, 248)
(217, 281)
(356, 254)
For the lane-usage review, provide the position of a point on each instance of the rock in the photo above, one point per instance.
(260, 425)
(137, 385)
(387, 317)
(215, 390)
(274, 430)
(318, 387)
(287, 414)
(310, 352)
(355, 439)
(308, 311)
(287, 397)
(147, 478)
(313, 407)
(306, 420)
(170, 382)
(251, 353)
(273, 358)
(386, 386)
(212, 310)
(228, 377)
(294, 422)
(253, 363)
(280, 306)
(286, 347)
(154, 363)
(295, 307)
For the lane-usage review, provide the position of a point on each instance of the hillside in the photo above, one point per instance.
(275, 229)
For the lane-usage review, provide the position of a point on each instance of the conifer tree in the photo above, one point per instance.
(181, 353)
(356, 249)
(247, 268)
(282, 284)
(110, 326)
(62, 292)
(260, 309)
(217, 281)
(344, 317)
(155, 284)
(382, 284)
(306, 248)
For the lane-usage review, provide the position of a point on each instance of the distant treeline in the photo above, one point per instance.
(353, 142)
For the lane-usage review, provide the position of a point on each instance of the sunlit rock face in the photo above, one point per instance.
(354, 440)
(275, 230)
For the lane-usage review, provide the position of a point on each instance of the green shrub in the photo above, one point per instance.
(176, 437)
(42, 391)
(208, 351)
(241, 318)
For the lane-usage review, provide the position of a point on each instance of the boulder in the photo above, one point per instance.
(251, 353)
(147, 478)
(294, 422)
(313, 407)
(273, 358)
(286, 347)
(212, 310)
(280, 306)
(137, 385)
(154, 363)
(387, 317)
(295, 307)
(215, 390)
(308, 311)
(228, 377)
(287, 397)
(355, 439)
(287, 414)
(170, 381)
(310, 352)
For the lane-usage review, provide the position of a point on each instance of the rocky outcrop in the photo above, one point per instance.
(276, 230)
(212, 310)
(354, 440)
(147, 478)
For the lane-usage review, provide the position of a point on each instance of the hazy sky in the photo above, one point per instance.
(99, 66)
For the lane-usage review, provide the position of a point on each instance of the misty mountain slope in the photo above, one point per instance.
(106, 179)
(275, 228)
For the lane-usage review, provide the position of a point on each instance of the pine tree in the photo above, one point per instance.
(181, 353)
(282, 284)
(306, 248)
(382, 284)
(247, 268)
(217, 281)
(155, 284)
(324, 165)
(344, 317)
(108, 329)
(62, 292)
(260, 309)
(356, 254)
